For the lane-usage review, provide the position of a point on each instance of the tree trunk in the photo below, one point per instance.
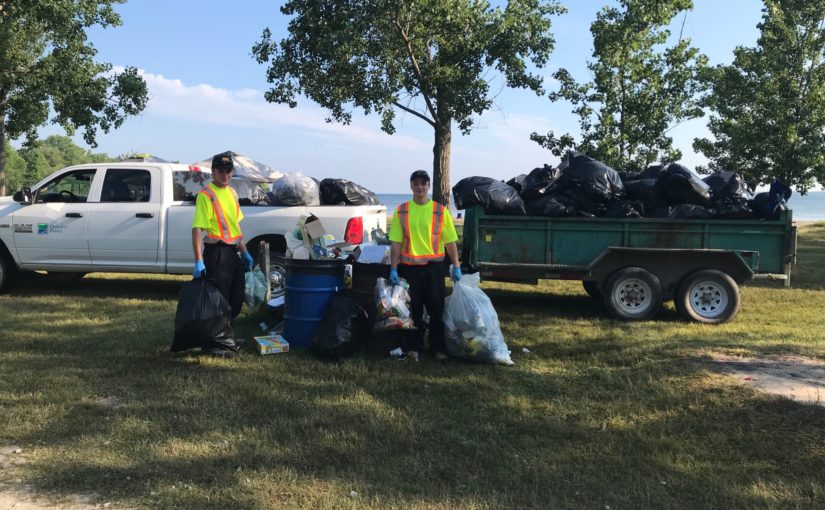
(441, 156)
(2, 153)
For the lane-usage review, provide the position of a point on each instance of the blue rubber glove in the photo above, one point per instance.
(199, 269)
(456, 274)
(394, 276)
(248, 259)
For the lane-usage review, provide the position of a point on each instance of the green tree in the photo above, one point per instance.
(429, 58)
(15, 168)
(768, 115)
(47, 65)
(641, 88)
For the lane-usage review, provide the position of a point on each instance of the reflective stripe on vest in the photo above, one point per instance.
(223, 225)
(407, 256)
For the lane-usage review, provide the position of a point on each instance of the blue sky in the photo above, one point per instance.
(206, 95)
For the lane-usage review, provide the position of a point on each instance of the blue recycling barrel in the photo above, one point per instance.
(310, 285)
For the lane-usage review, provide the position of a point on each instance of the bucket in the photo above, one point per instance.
(363, 284)
(310, 285)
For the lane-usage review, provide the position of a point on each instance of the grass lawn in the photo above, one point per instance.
(600, 413)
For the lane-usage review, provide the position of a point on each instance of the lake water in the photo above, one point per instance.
(811, 207)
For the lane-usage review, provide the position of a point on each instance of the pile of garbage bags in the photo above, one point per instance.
(297, 189)
(471, 326)
(584, 187)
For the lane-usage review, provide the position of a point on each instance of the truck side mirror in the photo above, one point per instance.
(24, 196)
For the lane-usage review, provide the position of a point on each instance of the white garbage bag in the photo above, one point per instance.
(471, 326)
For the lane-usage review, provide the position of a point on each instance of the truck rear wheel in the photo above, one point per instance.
(708, 296)
(633, 293)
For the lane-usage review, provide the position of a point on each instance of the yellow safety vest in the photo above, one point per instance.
(220, 217)
(407, 255)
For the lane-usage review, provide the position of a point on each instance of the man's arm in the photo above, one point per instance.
(452, 252)
(197, 244)
(395, 255)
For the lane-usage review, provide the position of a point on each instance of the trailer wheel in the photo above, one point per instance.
(593, 289)
(708, 296)
(633, 293)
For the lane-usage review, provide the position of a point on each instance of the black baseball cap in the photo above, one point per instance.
(222, 161)
(420, 174)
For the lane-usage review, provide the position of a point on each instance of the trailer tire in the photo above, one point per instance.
(707, 296)
(633, 293)
(593, 289)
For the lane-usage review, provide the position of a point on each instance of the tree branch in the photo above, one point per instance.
(413, 112)
(416, 68)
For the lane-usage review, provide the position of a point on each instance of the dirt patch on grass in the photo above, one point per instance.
(18, 495)
(795, 377)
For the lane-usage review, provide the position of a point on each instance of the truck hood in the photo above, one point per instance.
(8, 206)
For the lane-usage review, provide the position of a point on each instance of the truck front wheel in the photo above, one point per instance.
(708, 296)
(633, 293)
(4, 272)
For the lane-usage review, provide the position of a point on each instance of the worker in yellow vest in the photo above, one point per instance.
(219, 255)
(421, 232)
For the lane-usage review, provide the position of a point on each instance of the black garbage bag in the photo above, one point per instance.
(644, 190)
(626, 176)
(517, 182)
(779, 195)
(662, 211)
(652, 171)
(340, 333)
(495, 196)
(681, 186)
(733, 209)
(692, 212)
(725, 185)
(540, 182)
(574, 196)
(625, 209)
(344, 192)
(203, 318)
(294, 189)
(769, 204)
(552, 206)
(597, 181)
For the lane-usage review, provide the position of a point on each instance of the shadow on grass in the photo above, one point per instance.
(585, 434)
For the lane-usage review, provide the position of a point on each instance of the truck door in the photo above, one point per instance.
(51, 232)
(124, 227)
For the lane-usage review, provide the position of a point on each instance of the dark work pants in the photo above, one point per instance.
(426, 290)
(224, 267)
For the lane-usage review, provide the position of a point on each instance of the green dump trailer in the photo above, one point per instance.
(634, 265)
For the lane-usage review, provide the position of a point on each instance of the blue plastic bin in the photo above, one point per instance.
(310, 285)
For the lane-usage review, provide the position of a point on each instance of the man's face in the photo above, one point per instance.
(220, 177)
(420, 189)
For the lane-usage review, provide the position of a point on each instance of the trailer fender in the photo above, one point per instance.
(672, 265)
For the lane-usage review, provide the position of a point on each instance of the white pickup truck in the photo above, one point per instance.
(137, 218)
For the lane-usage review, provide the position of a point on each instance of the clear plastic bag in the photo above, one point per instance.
(471, 324)
(392, 306)
(254, 288)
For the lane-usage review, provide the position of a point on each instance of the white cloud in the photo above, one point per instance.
(247, 108)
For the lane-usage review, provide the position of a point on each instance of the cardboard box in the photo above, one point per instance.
(271, 344)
